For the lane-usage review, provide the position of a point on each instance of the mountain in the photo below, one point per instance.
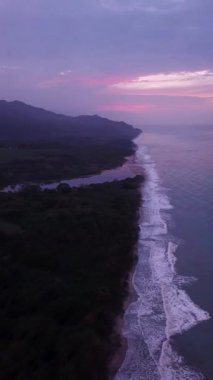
(19, 121)
(38, 145)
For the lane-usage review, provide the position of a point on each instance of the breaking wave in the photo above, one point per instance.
(162, 308)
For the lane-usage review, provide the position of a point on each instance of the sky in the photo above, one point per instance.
(141, 61)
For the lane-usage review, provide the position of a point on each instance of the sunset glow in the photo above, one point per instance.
(179, 81)
(126, 107)
(126, 59)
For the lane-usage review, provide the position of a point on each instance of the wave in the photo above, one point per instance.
(163, 308)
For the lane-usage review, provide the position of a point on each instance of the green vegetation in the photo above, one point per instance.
(64, 262)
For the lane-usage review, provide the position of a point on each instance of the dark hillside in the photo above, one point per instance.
(19, 121)
(38, 145)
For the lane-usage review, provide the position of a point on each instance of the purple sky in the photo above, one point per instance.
(142, 61)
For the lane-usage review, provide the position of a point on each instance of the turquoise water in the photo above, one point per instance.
(184, 161)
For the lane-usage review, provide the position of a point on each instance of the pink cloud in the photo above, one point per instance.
(181, 84)
(68, 78)
(96, 80)
(196, 93)
(126, 107)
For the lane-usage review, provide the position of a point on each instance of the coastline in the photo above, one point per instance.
(152, 321)
(120, 353)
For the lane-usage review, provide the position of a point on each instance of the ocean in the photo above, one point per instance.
(169, 327)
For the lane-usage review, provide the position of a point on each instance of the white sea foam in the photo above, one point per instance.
(13, 189)
(163, 308)
(172, 366)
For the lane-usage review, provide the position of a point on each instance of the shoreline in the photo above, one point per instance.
(120, 353)
(121, 350)
(164, 307)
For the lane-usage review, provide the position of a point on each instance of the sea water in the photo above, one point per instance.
(169, 328)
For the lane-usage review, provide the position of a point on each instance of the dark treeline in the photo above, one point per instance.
(43, 162)
(64, 263)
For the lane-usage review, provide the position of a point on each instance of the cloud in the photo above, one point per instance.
(48, 8)
(126, 107)
(8, 68)
(65, 73)
(79, 55)
(183, 83)
(69, 77)
(151, 6)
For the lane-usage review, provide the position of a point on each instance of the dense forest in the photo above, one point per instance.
(38, 145)
(64, 263)
(65, 254)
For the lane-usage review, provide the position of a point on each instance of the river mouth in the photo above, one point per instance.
(129, 169)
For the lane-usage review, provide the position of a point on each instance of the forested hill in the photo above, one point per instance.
(38, 145)
(19, 121)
